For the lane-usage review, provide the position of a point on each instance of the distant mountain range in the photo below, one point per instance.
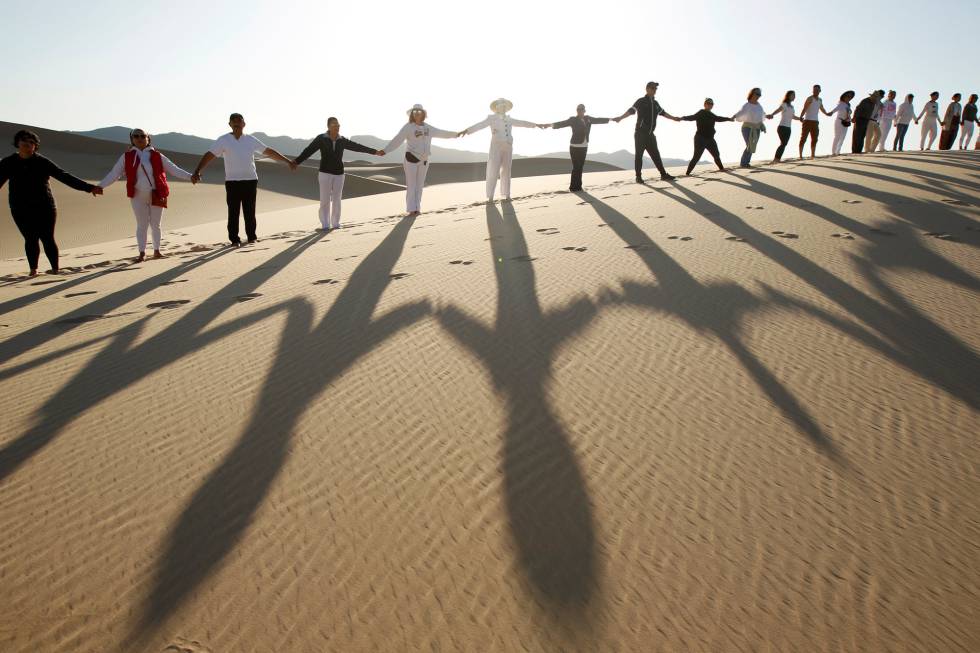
(177, 142)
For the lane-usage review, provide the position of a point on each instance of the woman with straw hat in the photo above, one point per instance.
(417, 136)
(501, 144)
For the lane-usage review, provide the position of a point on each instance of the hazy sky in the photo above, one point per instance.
(183, 66)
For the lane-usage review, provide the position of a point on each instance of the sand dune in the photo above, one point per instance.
(736, 413)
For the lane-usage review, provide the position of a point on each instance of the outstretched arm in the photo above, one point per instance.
(562, 124)
(628, 112)
(172, 169)
(357, 147)
(273, 154)
(202, 164)
(522, 123)
(442, 133)
(599, 121)
(483, 124)
(114, 174)
(397, 140)
(71, 180)
(309, 150)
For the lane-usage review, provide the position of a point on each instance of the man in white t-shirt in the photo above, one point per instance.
(810, 115)
(241, 178)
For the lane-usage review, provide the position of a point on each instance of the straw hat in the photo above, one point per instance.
(505, 104)
(416, 107)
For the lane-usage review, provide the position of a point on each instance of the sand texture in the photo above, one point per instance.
(735, 413)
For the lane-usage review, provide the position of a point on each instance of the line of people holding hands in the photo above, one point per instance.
(145, 169)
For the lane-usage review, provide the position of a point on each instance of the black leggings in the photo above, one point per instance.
(784, 133)
(700, 145)
(900, 130)
(578, 165)
(37, 224)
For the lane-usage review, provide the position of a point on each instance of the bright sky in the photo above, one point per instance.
(185, 65)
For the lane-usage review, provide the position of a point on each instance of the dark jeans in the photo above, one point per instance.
(578, 165)
(784, 134)
(700, 145)
(241, 197)
(899, 143)
(860, 132)
(37, 224)
(647, 142)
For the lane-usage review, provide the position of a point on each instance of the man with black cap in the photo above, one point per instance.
(581, 125)
(647, 109)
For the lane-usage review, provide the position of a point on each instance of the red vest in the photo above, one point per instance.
(156, 173)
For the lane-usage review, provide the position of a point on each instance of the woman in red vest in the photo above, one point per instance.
(146, 186)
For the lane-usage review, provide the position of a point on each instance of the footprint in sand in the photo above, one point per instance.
(581, 203)
(361, 233)
(574, 249)
(249, 250)
(548, 231)
(533, 208)
(247, 297)
(461, 219)
(735, 239)
(680, 238)
(608, 197)
(460, 262)
(787, 235)
(172, 303)
(170, 283)
(602, 225)
(398, 275)
(844, 236)
(940, 236)
(641, 248)
(952, 201)
(655, 217)
(344, 258)
(79, 294)
(852, 201)
(523, 258)
(325, 282)
(182, 645)
(881, 232)
(421, 245)
(44, 283)
(754, 208)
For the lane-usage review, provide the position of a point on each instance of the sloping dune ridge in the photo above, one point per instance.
(735, 413)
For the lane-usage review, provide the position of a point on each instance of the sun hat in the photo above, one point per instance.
(507, 105)
(416, 107)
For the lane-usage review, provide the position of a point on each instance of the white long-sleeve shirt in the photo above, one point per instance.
(142, 182)
(501, 127)
(930, 111)
(751, 113)
(887, 112)
(905, 114)
(418, 139)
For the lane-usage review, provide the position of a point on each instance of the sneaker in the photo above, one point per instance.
(667, 178)
(639, 180)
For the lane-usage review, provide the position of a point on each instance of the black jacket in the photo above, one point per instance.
(29, 180)
(581, 127)
(332, 152)
(646, 109)
(865, 109)
(706, 122)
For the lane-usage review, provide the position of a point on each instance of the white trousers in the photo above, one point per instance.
(414, 183)
(498, 165)
(331, 191)
(147, 217)
(930, 128)
(885, 128)
(966, 134)
(840, 133)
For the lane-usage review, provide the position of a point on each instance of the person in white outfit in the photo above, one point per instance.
(417, 136)
(501, 144)
(886, 118)
(146, 172)
(930, 121)
(903, 116)
(842, 120)
(331, 176)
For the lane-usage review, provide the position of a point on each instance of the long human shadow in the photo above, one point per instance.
(715, 308)
(120, 364)
(898, 330)
(16, 303)
(901, 248)
(545, 494)
(309, 357)
(43, 333)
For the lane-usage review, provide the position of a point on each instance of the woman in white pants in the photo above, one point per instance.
(968, 120)
(930, 121)
(842, 120)
(417, 135)
(146, 172)
(501, 144)
(331, 176)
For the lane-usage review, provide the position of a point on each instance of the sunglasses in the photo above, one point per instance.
(139, 135)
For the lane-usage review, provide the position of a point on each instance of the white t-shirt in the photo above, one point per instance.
(239, 155)
(786, 115)
(813, 111)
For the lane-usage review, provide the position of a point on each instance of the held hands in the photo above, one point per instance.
(292, 165)
(542, 125)
(96, 191)
(196, 177)
(462, 133)
(616, 119)
(379, 153)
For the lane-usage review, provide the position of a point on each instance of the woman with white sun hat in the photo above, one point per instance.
(501, 144)
(417, 135)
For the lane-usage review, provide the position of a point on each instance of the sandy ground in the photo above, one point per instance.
(736, 413)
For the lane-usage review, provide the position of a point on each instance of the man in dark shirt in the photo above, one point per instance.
(862, 116)
(704, 137)
(581, 125)
(647, 109)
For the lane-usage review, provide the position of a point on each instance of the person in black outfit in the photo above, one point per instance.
(31, 202)
(647, 109)
(581, 125)
(862, 116)
(704, 137)
(331, 146)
